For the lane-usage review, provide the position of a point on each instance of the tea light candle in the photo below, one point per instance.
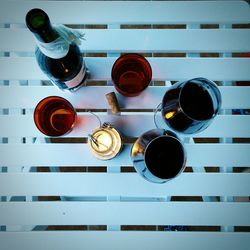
(105, 142)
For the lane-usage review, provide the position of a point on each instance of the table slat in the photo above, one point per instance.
(125, 213)
(126, 184)
(144, 40)
(128, 124)
(123, 240)
(198, 154)
(135, 12)
(26, 68)
(85, 98)
(78, 154)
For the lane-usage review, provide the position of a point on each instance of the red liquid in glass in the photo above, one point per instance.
(54, 116)
(131, 74)
(165, 157)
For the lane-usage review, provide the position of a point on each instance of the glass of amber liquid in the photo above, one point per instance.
(54, 116)
(131, 74)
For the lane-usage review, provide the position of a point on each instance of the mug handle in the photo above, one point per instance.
(155, 113)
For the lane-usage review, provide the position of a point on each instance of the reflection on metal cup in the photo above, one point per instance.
(158, 155)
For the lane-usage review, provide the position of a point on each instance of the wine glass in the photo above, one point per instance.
(190, 106)
(158, 155)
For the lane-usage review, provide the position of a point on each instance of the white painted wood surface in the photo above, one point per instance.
(119, 213)
(124, 198)
(129, 124)
(123, 240)
(77, 154)
(216, 69)
(116, 184)
(144, 40)
(85, 98)
(110, 12)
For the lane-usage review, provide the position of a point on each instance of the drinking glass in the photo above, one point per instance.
(54, 116)
(158, 155)
(131, 74)
(190, 106)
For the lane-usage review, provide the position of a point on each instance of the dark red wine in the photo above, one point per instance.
(131, 74)
(58, 58)
(196, 102)
(189, 107)
(164, 157)
(171, 112)
(54, 116)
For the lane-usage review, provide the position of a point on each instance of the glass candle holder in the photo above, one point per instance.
(105, 142)
(131, 74)
(54, 116)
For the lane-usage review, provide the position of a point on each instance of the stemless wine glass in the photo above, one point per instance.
(54, 116)
(158, 155)
(190, 106)
(131, 74)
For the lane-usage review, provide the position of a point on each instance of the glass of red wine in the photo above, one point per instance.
(190, 106)
(131, 74)
(158, 155)
(54, 116)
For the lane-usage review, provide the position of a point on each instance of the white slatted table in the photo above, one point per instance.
(115, 199)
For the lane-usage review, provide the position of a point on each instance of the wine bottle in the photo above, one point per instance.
(57, 51)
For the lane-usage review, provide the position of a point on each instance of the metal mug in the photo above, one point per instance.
(158, 155)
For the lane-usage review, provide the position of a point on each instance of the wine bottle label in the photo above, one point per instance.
(77, 79)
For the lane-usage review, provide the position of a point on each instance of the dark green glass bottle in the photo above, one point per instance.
(58, 58)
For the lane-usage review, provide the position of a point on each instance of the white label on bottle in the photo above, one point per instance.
(77, 79)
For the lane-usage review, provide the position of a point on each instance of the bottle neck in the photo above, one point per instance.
(39, 24)
(49, 39)
(52, 43)
(46, 35)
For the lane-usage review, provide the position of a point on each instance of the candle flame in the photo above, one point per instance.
(102, 141)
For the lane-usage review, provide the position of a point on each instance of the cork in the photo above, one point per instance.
(113, 102)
